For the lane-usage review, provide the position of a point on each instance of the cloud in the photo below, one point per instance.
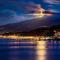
(53, 1)
(31, 6)
(10, 16)
(24, 17)
(53, 5)
(19, 6)
(7, 13)
(53, 10)
(6, 16)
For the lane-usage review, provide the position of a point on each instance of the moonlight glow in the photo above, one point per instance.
(38, 15)
(39, 12)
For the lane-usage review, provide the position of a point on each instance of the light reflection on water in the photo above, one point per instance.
(41, 50)
(29, 50)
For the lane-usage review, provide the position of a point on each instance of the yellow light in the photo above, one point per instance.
(41, 50)
(39, 13)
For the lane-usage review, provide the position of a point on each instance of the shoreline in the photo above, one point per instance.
(27, 37)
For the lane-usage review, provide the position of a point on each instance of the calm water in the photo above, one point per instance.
(29, 50)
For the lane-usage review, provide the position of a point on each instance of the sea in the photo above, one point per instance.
(27, 49)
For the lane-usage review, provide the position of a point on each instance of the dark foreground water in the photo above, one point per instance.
(29, 50)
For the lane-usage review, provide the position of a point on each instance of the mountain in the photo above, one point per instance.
(31, 24)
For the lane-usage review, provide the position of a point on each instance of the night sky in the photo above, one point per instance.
(12, 11)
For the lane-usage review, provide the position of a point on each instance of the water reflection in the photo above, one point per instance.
(41, 50)
(53, 50)
(29, 50)
(17, 50)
